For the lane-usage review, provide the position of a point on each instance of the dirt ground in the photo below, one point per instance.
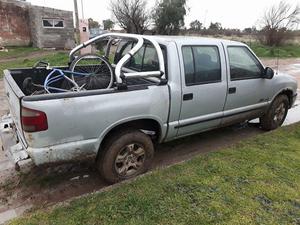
(289, 66)
(41, 187)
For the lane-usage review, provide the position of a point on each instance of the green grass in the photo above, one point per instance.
(254, 182)
(55, 59)
(287, 51)
(18, 52)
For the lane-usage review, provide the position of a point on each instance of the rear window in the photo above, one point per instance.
(146, 59)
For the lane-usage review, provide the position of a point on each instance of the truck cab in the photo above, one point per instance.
(221, 82)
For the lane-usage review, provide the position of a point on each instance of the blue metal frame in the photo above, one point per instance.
(62, 74)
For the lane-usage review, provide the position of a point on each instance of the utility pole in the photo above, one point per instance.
(82, 9)
(77, 33)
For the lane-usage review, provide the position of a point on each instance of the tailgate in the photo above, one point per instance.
(14, 96)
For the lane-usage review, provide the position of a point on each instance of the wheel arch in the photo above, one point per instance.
(288, 92)
(148, 125)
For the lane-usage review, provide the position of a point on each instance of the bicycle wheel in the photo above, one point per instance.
(92, 72)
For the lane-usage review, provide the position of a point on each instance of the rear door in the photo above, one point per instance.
(204, 87)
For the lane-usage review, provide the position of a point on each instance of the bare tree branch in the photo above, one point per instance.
(131, 15)
(278, 21)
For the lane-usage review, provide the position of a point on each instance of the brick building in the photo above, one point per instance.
(23, 24)
(14, 23)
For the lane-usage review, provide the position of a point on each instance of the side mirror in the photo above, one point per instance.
(268, 73)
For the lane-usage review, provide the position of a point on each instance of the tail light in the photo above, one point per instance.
(33, 120)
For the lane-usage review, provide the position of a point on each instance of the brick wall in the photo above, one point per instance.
(14, 23)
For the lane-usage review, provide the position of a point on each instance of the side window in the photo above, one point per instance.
(243, 64)
(201, 64)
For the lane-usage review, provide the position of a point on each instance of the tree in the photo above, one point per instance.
(196, 25)
(278, 22)
(168, 16)
(131, 15)
(93, 23)
(215, 26)
(247, 30)
(108, 24)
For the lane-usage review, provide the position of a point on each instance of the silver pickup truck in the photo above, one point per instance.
(156, 89)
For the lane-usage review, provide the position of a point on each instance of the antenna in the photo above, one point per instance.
(277, 61)
(278, 52)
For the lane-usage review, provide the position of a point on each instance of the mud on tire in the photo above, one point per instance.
(276, 114)
(125, 155)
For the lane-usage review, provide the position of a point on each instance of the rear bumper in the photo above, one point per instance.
(21, 155)
(11, 144)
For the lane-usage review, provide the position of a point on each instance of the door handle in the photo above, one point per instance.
(232, 90)
(187, 97)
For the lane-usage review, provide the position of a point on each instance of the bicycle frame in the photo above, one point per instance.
(61, 75)
(120, 75)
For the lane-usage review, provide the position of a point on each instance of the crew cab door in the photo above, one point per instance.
(204, 87)
(248, 93)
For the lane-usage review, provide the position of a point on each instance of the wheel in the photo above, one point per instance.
(125, 155)
(276, 114)
(98, 72)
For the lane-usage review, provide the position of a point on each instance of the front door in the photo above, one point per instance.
(248, 92)
(204, 88)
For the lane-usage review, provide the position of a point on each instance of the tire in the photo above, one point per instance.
(276, 114)
(125, 155)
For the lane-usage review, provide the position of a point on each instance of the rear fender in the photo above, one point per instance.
(163, 127)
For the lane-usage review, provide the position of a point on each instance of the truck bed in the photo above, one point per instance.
(78, 121)
(38, 76)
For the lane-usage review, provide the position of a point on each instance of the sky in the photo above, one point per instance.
(230, 13)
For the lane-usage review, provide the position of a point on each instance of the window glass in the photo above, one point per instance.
(188, 65)
(243, 64)
(146, 59)
(201, 64)
(58, 23)
(150, 62)
(119, 51)
(136, 62)
(123, 48)
(54, 23)
(47, 23)
(120, 46)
